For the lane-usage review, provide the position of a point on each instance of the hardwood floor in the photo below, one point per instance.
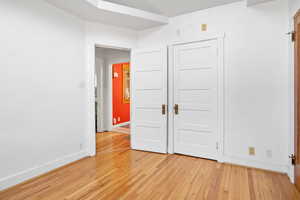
(122, 129)
(118, 173)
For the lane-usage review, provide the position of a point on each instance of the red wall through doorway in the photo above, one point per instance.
(121, 110)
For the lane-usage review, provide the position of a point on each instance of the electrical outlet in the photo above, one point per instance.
(119, 119)
(203, 27)
(251, 151)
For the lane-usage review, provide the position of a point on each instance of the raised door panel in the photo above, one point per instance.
(196, 93)
(149, 93)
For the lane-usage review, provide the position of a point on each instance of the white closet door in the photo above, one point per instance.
(196, 94)
(149, 98)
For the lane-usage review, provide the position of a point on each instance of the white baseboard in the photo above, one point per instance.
(122, 124)
(290, 172)
(100, 130)
(256, 164)
(39, 170)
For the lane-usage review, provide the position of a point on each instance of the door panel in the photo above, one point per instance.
(145, 80)
(149, 93)
(196, 93)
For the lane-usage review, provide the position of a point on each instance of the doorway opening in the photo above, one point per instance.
(112, 95)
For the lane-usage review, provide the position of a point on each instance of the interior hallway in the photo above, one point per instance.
(120, 173)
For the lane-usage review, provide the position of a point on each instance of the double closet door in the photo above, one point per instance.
(149, 99)
(195, 95)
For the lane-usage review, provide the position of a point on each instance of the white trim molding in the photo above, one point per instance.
(255, 2)
(276, 167)
(90, 63)
(200, 38)
(291, 94)
(111, 13)
(122, 124)
(39, 170)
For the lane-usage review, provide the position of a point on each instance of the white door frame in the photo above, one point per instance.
(221, 85)
(100, 112)
(110, 97)
(90, 136)
(107, 122)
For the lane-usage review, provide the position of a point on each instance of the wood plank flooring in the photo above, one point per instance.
(122, 129)
(118, 173)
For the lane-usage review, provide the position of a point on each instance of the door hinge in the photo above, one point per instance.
(293, 35)
(217, 146)
(293, 159)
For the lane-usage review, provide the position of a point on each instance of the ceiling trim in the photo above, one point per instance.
(255, 2)
(111, 13)
(113, 7)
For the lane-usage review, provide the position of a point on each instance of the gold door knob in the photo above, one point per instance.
(176, 109)
(163, 109)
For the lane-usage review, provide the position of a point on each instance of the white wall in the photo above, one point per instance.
(42, 89)
(110, 57)
(256, 73)
(294, 6)
(44, 79)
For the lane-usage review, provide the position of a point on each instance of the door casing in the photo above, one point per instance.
(221, 85)
(297, 101)
(90, 135)
(100, 95)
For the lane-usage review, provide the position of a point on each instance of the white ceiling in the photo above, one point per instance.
(137, 14)
(110, 13)
(172, 8)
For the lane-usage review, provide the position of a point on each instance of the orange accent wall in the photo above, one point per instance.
(120, 109)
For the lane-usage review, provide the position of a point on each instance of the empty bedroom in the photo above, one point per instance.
(150, 99)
